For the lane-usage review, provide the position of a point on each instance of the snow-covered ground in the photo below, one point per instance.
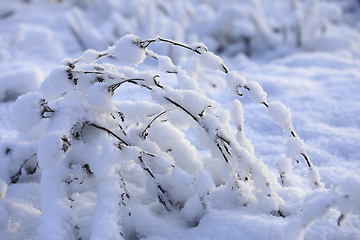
(319, 82)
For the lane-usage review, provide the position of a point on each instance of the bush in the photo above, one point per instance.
(226, 27)
(105, 164)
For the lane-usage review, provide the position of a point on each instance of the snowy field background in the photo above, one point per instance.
(318, 79)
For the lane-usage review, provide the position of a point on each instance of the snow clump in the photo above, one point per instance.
(293, 147)
(256, 92)
(129, 50)
(234, 82)
(281, 115)
(90, 56)
(27, 105)
(211, 61)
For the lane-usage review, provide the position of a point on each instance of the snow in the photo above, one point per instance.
(18, 79)
(211, 61)
(288, 80)
(293, 147)
(90, 56)
(100, 96)
(203, 183)
(107, 218)
(256, 93)
(280, 115)
(58, 82)
(234, 82)
(3, 188)
(31, 102)
(128, 50)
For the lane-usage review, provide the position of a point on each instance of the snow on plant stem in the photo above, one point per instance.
(128, 50)
(101, 159)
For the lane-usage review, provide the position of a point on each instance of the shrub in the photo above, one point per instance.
(226, 27)
(103, 163)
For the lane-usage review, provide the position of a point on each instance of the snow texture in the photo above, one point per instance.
(3, 219)
(26, 112)
(293, 147)
(234, 82)
(90, 56)
(256, 93)
(17, 81)
(128, 50)
(281, 115)
(3, 188)
(211, 61)
(95, 145)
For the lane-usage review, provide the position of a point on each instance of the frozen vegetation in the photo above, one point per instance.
(193, 119)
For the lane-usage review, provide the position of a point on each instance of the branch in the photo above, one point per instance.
(109, 132)
(146, 43)
(86, 72)
(156, 82)
(44, 108)
(144, 134)
(113, 87)
(159, 187)
(205, 128)
(182, 108)
(14, 178)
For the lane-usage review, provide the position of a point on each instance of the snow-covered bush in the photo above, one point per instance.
(226, 27)
(107, 166)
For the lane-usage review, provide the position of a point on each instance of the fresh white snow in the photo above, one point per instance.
(272, 120)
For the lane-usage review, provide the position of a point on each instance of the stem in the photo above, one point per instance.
(86, 72)
(109, 132)
(156, 82)
(205, 128)
(307, 159)
(14, 178)
(222, 152)
(159, 187)
(143, 134)
(146, 43)
(113, 87)
(182, 108)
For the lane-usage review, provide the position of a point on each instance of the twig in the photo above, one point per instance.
(109, 132)
(113, 87)
(163, 192)
(144, 134)
(146, 43)
(14, 178)
(182, 108)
